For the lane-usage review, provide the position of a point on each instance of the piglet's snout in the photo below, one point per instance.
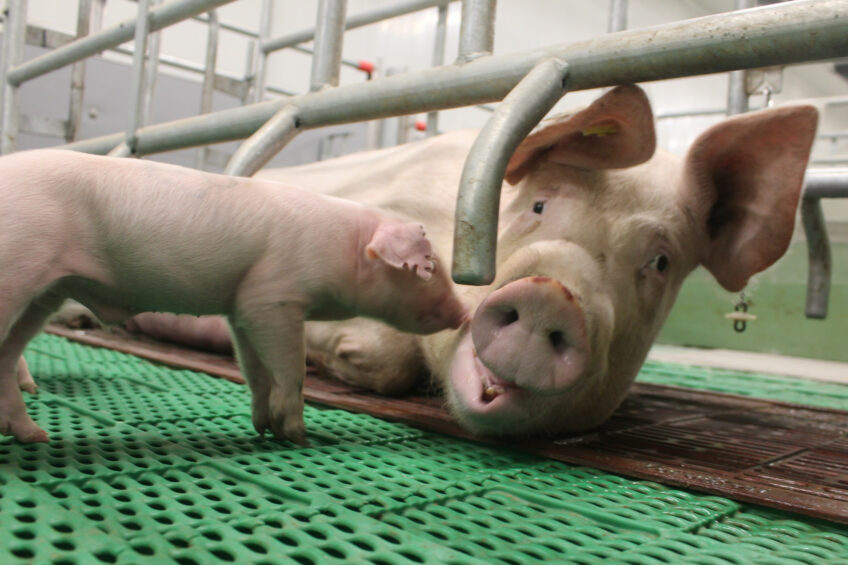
(531, 333)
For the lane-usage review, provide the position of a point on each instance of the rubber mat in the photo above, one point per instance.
(148, 464)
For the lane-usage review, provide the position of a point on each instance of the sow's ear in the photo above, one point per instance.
(616, 131)
(743, 181)
(402, 246)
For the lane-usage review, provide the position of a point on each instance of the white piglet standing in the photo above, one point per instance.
(124, 236)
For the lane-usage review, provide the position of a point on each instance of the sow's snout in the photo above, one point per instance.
(530, 334)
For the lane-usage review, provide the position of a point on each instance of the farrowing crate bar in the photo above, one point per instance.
(801, 31)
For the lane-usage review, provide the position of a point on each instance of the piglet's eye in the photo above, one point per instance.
(538, 207)
(660, 262)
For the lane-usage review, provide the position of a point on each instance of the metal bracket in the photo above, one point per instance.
(475, 232)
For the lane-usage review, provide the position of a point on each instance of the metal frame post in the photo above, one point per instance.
(208, 80)
(151, 73)
(617, 16)
(737, 94)
(78, 74)
(259, 57)
(438, 60)
(329, 35)
(142, 27)
(14, 36)
(477, 29)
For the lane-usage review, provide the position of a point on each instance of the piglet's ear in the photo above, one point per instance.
(616, 131)
(744, 178)
(402, 246)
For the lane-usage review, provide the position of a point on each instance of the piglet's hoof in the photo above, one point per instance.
(286, 422)
(23, 429)
(25, 381)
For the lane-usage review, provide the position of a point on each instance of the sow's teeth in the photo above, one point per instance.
(492, 392)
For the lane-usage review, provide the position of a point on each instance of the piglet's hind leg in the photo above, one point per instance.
(14, 419)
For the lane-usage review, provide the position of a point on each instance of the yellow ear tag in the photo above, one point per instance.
(601, 130)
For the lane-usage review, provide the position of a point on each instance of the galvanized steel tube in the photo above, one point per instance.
(137, 85)
(737, 93)
(438, 61)
(208, 88)
(804, 30)
(617, 16)
(477, 204)
(818, 184)
(261, 147)
(78, 75)
(14, 35)
(476, 30)
(329, 35)
(163, 16)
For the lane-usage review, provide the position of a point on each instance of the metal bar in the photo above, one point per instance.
(163, 16)
(737, 94)
(14, 34)
(137, 87)
(477, 204)
(792, 32)
(208, 80)
(826, 183)
(329, 32)
(617, 16)
(477, 29)
(819, 183)
(438, 61)
(151, 73)
(78, 75)
(42, 125)
(254, 153)
(818, 254)
(354, 21)
(260, 58)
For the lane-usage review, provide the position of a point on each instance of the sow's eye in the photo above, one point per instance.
(539, 206)
(659, 263)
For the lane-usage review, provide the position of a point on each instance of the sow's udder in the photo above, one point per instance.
(527, 344)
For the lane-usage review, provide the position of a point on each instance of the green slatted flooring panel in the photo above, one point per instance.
(152, 465)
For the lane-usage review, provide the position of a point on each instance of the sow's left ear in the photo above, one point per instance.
(743, 180)
(402, 246)
(615, 131)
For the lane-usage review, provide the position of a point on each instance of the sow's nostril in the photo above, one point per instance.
(508, 316)
(558, 342)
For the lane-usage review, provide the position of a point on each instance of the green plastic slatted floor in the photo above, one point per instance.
(152, 465)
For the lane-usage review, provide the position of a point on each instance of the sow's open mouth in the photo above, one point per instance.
(479, 392)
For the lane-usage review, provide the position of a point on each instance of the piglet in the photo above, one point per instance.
(123, 236)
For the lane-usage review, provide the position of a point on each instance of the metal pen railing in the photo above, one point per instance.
(801, 31)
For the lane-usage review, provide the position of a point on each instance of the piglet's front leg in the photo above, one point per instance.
(272, 353)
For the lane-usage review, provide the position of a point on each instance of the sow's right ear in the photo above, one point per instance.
(402, 246)
(615, 131)
(743, 181)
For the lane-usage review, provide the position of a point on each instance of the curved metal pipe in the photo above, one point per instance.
(268, 140)
(475, 233)
(818, 184)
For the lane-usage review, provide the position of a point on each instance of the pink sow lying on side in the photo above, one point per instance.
(595, 238)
